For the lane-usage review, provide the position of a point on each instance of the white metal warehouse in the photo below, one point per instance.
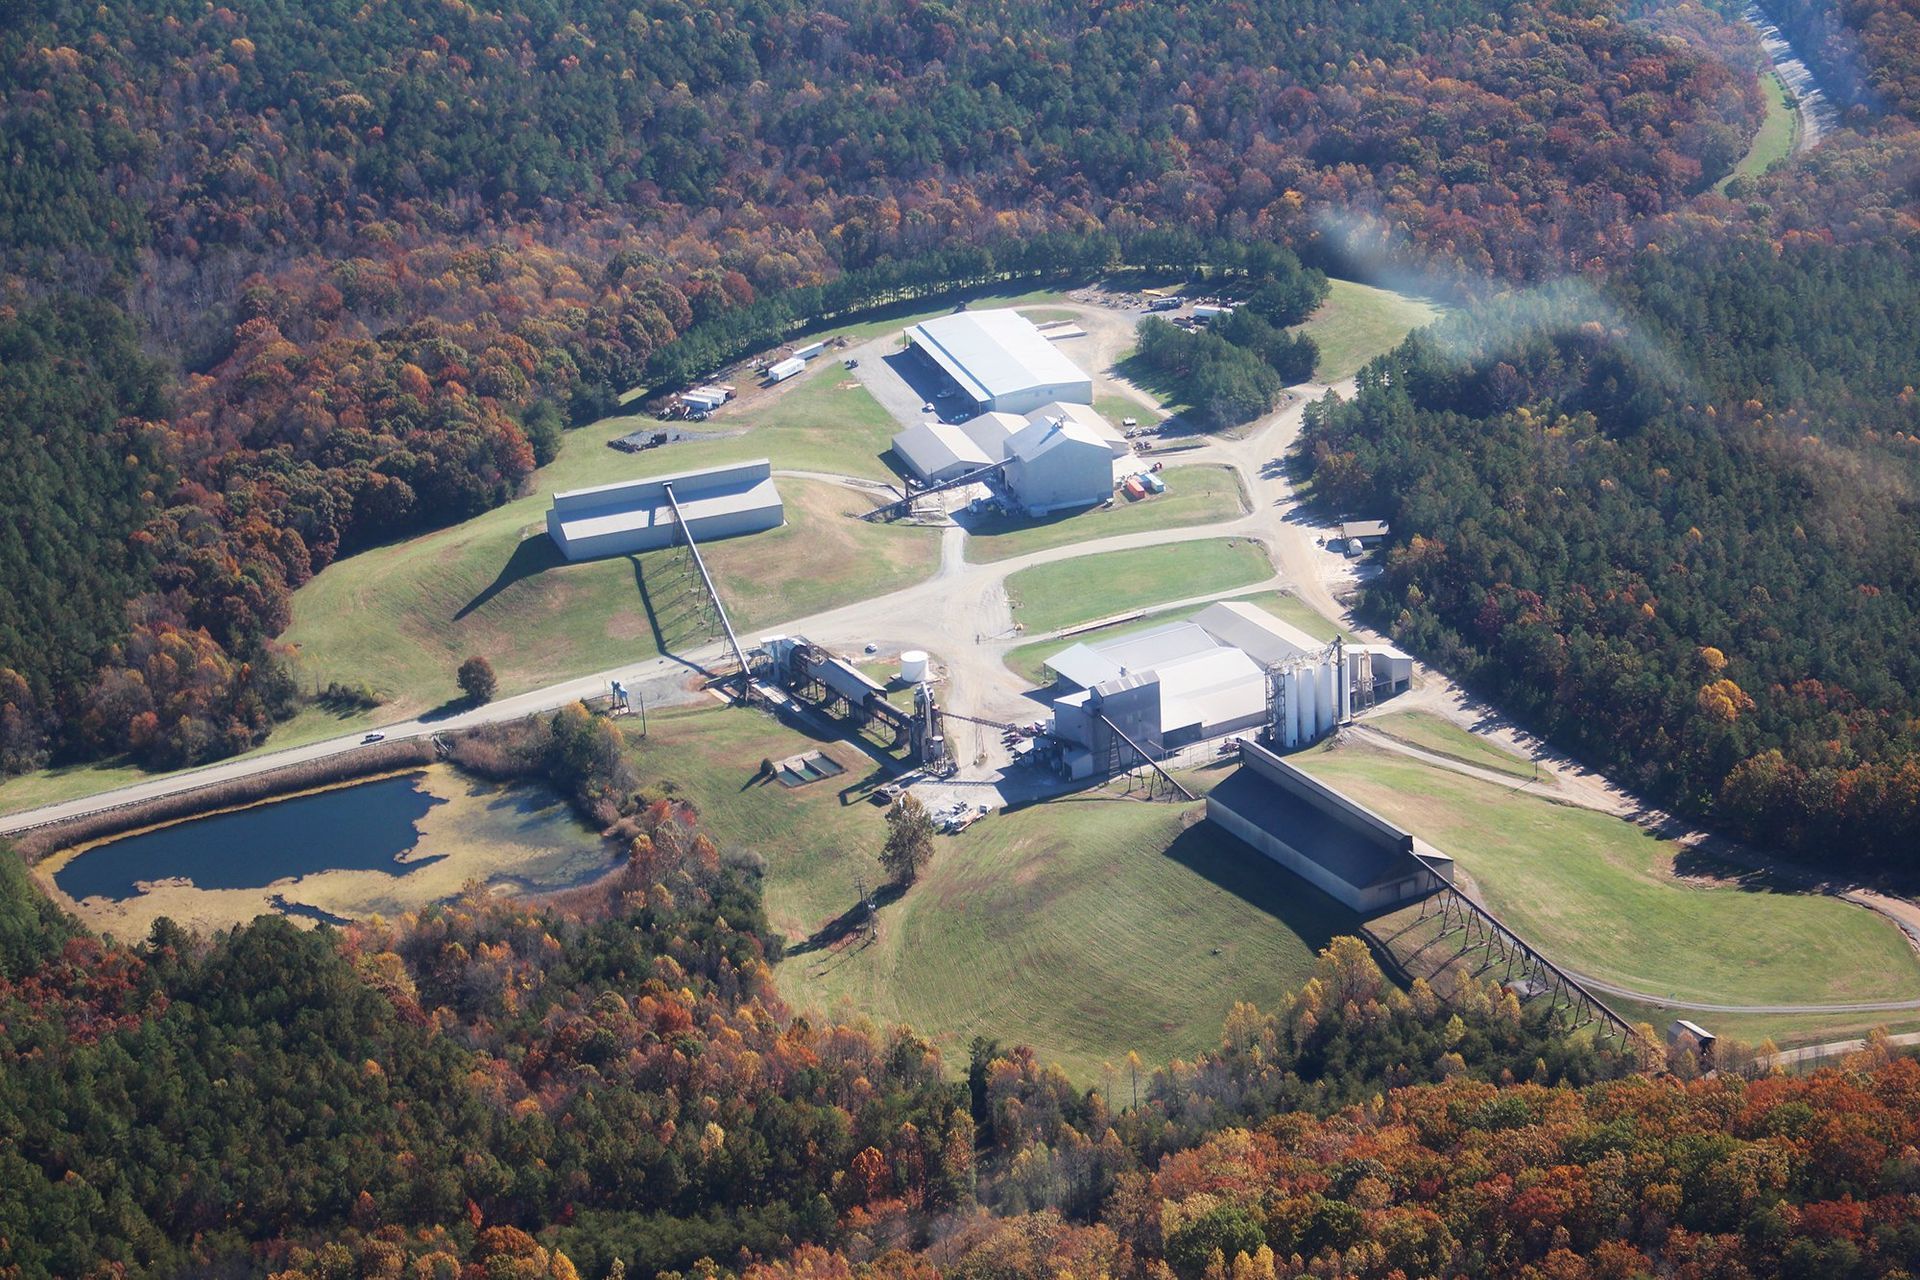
(1054, 464)
(634, 515)
(1000, 361)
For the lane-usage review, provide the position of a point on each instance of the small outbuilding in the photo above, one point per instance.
(636, 515)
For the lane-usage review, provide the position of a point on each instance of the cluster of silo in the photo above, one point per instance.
(1308, 696)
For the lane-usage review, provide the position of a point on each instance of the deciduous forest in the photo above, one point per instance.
(370, 259)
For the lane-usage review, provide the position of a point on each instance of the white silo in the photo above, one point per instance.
(1309, 702)
(913, 666)
(1292, 688)
(1343, 672)
(1329, 707)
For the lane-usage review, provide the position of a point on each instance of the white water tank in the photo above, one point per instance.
(913, 666)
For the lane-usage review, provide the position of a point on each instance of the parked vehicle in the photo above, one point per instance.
(373, 737)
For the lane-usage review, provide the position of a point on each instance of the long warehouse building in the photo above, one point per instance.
(1000, 362)
(634, 515)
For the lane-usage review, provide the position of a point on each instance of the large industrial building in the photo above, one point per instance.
(635, 515)
(1232, 667)
(1057, 463)
(999, 361)
(1340, 847)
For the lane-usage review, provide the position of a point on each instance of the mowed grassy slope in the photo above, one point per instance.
(1086, 927)
(1358, 322)
(1195, 495)
(1028, 660)
(402, 617)
(825, 420)
(1047, 597)
(1433, 733)
(1599, 895)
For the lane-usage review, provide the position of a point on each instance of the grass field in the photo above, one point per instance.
(1116, 408)
(1195, 495)
(1047, 597)
(1777, 133)
(1085, 927)
(402, 617)
(1433, 733)
(1028, 659)
(1358, 322)
(1600, 896)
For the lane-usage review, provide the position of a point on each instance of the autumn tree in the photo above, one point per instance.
(476, 679)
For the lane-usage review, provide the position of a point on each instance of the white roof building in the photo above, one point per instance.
(1054, 464)
(1000, 361)
(1087, 665)
(635, 515)
(1209, 694)
(1083, 414)
(934, 451)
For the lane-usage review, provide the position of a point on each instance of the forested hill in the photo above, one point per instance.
(1676, 524)
(607, 1086)
(383, 250)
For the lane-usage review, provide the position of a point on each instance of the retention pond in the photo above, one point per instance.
(383, 846)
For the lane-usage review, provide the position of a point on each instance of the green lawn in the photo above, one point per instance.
(1046, 315)
(1441, 736)
(1599, 895)
(1085, 927)
(402, 617)
(823, 421)
(1028, 660)
(1774, 140)
(1116, 408)
(1195, 495)
(1358, 322)
(1047, 597)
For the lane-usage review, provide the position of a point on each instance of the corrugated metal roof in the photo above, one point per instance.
(1083, 414)
(1265, 638)
(991, 431)
(1311, 831)
(642, 513)
(1037, 439)
(993, 353)
(1215, 687)
(934, 447)
(1088, 664)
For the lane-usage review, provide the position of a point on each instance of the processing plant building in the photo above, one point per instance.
(1000, 361)
(635, 515)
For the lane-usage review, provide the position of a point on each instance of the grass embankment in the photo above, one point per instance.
(1195, 495)
(1047, 597)
(1442, 737)
(1085, 927)
(1774, 140)
(1029, 660)
(1601, 896)
(1358, 322)
(402, 617)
